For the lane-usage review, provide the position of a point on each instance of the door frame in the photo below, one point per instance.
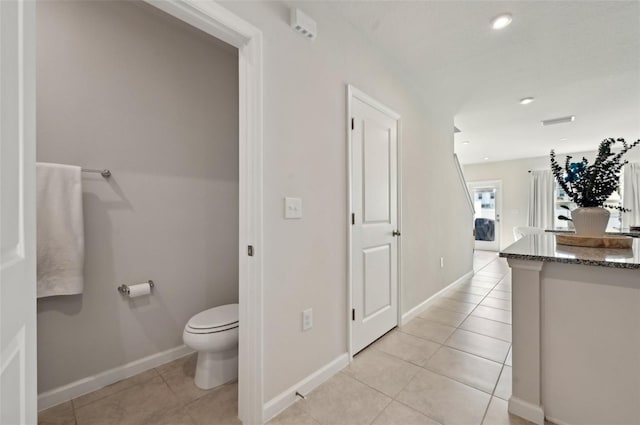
(354, 93)
(213, 19)
(219, 22)
(498, 185)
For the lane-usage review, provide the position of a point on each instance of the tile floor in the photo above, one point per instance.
(450, 365)
(162, 396)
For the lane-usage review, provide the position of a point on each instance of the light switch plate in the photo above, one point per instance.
(307, 319)
(292, 207)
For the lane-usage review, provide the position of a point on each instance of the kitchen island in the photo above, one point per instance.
(576, 332)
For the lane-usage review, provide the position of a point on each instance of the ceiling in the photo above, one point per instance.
(577, 58)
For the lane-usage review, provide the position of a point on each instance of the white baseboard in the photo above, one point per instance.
(556, 421)
(531, 412)
(101, 380)
(406, 317)
(304, 387)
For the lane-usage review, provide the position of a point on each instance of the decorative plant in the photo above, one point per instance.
(590, 185)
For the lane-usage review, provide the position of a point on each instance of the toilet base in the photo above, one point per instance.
(217, 368)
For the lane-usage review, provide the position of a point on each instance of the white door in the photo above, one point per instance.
(374, 230)
(18, 388)
(487, 203)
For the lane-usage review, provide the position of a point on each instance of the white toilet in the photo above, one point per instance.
(214, 335)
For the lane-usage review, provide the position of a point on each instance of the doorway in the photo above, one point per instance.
(374, 226)
(17, 309)
(487, 202)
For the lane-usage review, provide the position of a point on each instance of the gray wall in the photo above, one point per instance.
(126, 87)
(515, 184)
(305, 155)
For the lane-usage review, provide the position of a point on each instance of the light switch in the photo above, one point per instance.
(292, 207)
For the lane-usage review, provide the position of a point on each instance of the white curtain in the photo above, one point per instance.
(541, 190)
(631, 194)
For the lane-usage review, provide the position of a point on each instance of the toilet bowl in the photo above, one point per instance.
(213, 334)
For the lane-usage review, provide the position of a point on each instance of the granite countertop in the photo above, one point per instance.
(543, 247)
(623, 232)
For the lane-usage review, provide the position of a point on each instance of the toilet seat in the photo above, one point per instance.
(214, 320)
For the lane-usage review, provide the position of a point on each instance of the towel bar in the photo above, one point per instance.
(105, 173)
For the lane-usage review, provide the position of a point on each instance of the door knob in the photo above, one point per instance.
(395, 233)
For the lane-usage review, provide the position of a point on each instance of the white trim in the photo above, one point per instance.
(354, 93)
(406, 318)
(463, 181)
(498, 185)
(286, 398)
(531, 412)
(531, 265)
(92, 383)
(399, 219)
(556, 421)
(219, 22)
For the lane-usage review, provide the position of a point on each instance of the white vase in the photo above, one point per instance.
(590, 221)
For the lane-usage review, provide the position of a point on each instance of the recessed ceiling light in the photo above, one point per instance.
(560, 120)
(526, 100)
(564, 139)
(486, 158)
(501, 21)
(466, 142)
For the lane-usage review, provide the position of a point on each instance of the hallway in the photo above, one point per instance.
(449, 365)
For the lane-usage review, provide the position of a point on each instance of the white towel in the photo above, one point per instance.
(60, 230)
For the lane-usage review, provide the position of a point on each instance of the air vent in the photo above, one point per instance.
(303, 24)
(561, 120)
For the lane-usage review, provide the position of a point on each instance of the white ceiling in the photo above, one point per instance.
(577, 58)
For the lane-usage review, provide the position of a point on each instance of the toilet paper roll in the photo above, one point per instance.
(139, 290)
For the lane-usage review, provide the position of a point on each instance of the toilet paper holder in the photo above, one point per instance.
(124, 289)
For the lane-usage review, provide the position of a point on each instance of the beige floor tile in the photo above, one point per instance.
(503, 389)
(496, 303)
(175, 416)
(399, 414)
(428, 330)
(497, 414)
(445, 400)
(176, 364)
(496, 314)
(482, 283)
(219, 407)
(472, 370)
(294, 415)
(453, 305)
(406, 347)
(489, 279)
(491, 273)
(446, 317)
(503, 286)
(487, 327)
(465, 297)
(343, 400)
(114, 388)
(62, 414)
(508, 361)
(180, 378)
(381, 371)
(134, 405)
(480, 345)
(499, 294)
(475, 290)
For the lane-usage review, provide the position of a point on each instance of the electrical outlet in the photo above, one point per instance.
(442, 262)
(307, 319)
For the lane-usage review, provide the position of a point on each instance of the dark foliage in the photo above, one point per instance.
(590, 185)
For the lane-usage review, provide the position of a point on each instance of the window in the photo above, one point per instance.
(562, 199)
